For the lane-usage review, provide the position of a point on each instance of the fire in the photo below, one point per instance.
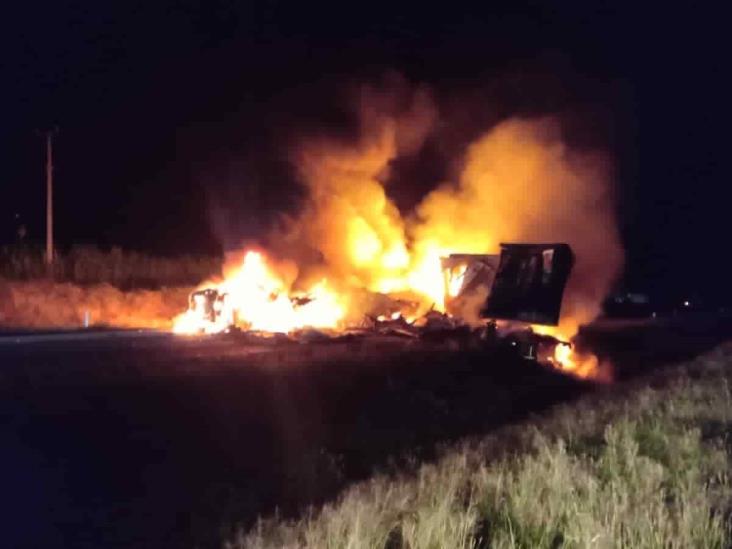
(261, 301)
(568, 359)
(584, 366)
(455, 280)
(428, 280)
(519, 181)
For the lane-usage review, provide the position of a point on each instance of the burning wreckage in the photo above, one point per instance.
(516, 296)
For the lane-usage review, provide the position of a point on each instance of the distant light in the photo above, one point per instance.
(686, 303)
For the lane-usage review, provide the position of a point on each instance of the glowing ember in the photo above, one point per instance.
(565, 356)
(584, 366)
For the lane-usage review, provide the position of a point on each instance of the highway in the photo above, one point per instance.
(146, 439)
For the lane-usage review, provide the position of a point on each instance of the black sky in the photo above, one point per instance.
(172, 114)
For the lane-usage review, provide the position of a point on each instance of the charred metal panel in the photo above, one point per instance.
(530, 282)
(475, 270)
(468, 279)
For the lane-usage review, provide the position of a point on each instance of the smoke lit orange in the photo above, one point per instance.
(519, 182)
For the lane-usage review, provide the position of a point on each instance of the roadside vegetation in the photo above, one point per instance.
(91, 287)
(644, 464)
(85, 265)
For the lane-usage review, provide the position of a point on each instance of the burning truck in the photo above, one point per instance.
(514, 297)
(212, 310)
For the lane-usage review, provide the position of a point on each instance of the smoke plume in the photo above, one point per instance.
(521, 183)
(518, 182)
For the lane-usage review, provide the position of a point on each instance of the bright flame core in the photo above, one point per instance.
(455, 278)
(567, 358)
(583, 366)
(261, 301)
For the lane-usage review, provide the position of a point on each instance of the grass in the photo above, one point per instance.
(640, 466)
(85, 265)
(90, 286)
(48, 304)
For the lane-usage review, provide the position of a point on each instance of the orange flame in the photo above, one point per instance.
(455, 280)
(583, 366)
(568, 359)
(261, 301)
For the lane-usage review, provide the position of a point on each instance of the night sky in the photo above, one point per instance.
(173, 115)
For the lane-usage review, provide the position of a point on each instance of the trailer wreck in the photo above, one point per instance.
(514, 297)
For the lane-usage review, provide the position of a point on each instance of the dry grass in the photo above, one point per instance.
(86, 265)
(46, 304)
(115, 288)
(645, 468)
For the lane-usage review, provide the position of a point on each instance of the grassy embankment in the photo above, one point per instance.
(85, 265)
(644, 465)
(87, 285)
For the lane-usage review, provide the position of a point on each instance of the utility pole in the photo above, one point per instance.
(49, 196)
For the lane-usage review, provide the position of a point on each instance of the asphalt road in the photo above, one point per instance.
(144, 439)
